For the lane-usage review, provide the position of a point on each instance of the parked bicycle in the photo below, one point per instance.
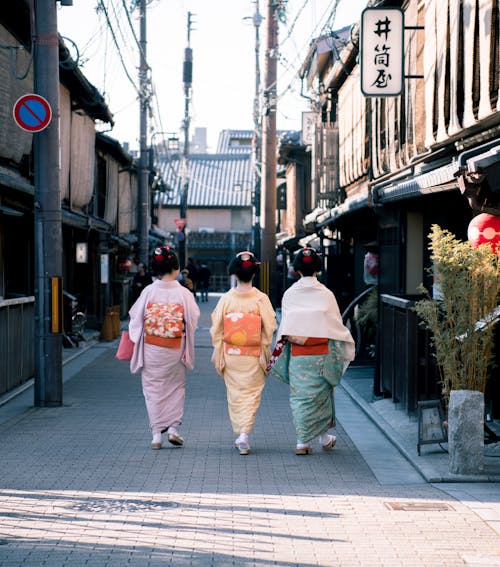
(75, 320)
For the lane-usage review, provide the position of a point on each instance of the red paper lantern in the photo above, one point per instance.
(485, 229)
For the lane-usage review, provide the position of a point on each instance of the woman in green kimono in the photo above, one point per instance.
(317, 349)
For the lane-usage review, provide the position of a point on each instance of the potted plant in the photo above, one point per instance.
(461, 315)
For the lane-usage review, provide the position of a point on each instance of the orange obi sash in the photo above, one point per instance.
(164, 324)
(242, 333)
(313, 345)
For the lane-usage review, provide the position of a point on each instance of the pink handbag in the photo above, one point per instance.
(125, 348)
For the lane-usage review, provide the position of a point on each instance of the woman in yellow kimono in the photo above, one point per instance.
(243, 324)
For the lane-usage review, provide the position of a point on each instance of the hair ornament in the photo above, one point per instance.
(247, 259)
(158, 256)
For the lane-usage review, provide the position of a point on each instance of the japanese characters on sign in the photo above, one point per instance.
(382, 51)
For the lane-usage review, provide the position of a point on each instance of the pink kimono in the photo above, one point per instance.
(162, 324)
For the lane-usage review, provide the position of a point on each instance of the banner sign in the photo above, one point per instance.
(382, 51)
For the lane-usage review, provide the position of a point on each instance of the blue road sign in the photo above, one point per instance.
(32, 112)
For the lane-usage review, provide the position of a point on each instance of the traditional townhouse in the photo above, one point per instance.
(384, 169)
(98, 186)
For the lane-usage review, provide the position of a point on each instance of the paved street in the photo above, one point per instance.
(79, 485)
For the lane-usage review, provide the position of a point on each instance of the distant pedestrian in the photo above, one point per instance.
(243, 323)
(316, 350)
(162, 325)
(204, 274)
(193, 274)
(141, 279)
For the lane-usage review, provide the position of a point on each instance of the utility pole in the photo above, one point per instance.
(269, 159)
(257, 166)
(48, 216)
(187, 78)
(143, 201)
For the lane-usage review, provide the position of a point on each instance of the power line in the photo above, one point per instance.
(332, 10)
(101, 3)
(127, 13)
(290, 30)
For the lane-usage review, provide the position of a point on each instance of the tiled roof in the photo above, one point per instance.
(235, 142)
(214, 180)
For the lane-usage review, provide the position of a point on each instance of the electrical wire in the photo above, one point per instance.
(290, 30)
(13, 62)
(132, 82)
(332, 11)
(131, 54)
(127, 13)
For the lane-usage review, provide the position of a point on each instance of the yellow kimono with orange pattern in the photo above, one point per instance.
(242, 329)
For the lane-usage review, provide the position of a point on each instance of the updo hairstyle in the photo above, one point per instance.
(164, 261)
(307, 261)
(244, 266)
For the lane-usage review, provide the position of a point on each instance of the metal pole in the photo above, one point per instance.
(143, 201)
(269, 158)
(257, 166)
(187, 80)
(48, 230)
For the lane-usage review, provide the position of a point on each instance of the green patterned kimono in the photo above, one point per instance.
(312, 381)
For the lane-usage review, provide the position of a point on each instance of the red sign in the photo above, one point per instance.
(32, 113)
(180, 223)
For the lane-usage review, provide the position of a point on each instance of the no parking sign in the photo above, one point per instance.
(32, 113)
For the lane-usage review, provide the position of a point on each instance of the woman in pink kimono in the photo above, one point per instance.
(243, 323)
(162, 325)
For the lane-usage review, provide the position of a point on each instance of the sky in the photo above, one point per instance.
(223, 44)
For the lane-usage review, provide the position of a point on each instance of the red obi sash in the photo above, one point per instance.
(242, 333)
(164, 324)
(313, 345)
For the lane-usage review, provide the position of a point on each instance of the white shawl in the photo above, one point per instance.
(309, 309)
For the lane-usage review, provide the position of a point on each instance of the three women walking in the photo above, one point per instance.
(313, 348)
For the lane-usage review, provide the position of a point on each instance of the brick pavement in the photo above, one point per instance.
(79, 485)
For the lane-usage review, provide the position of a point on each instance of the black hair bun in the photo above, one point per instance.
(307, 259)
(164, 260)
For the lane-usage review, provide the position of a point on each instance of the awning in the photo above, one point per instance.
(289, 241)
(435, 181)
(347, 207)
(13, 179)
(122, 242)
(310, 240)
(312, 216)
(9, 211)
(77, 220)
(487, 163)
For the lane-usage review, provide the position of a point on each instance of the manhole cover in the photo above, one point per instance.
(419, 506)
(114, 506)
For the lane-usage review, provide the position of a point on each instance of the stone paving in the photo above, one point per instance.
(79, 485)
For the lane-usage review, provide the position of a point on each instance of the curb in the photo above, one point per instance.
(426, 470)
